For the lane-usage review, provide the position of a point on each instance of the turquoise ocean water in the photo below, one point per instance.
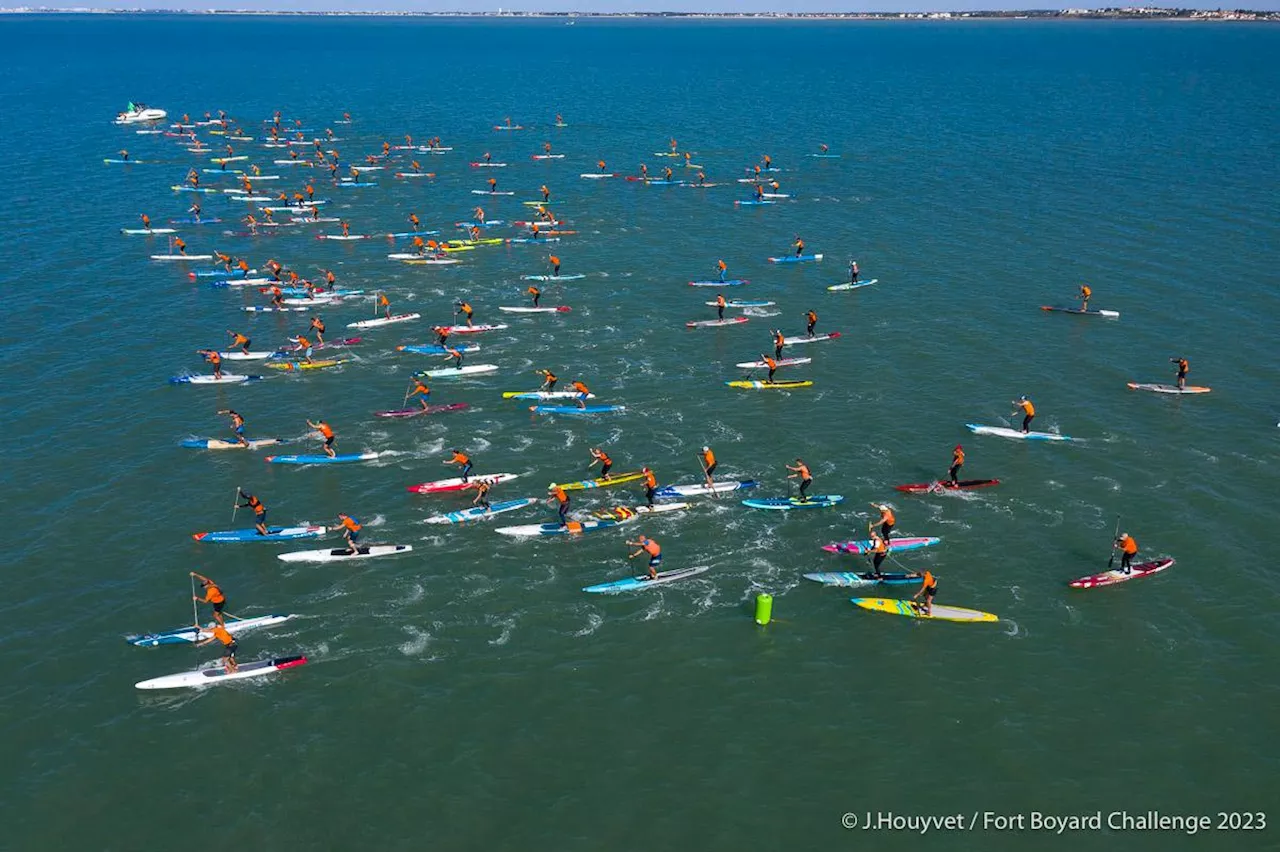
(469, 695)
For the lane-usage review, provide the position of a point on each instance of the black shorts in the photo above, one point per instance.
(230, 650)
(604, 469)
(930, 592)
(219, 605)
(328, 442)
(712, 468)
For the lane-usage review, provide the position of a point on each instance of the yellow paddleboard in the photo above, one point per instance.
(911, 609)
(303, 365)
(615, 479)
(458, 248)
(769, 385)
(492, 241)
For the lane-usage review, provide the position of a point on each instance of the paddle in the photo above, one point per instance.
(702, 464)
(195, 613)
(235, 504)
(406, 396)
(1112, 560)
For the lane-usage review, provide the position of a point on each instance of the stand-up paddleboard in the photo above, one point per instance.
(1110, 578)
(355, 184)
(191, 634)
(804, 338)
(754, 202)
(344, 554)
(216, 675)
(559, 309)
(488, 165)
(732, 282)
(321, 458)
(216, 444)
(381, 321)
(644, 581)
(414, 412)
(574, 277)
(182, 257)
(781, 362)
(272, 309)
(910, 609)
(850, 579)
(938, 486)
(344, 237)
(544, 395)
(616, 479)
(1174, 389)
(240, 355)
(430, 261)
(714, 323)
(723, 486)
(836, 288)
(442, 486)
(1004, 432)
(480, 513)
(437, 349)
(458, 372)
(573, 409)
(825, 156)
(1079, 312)
(599, 175)
(227, 379)
(490, 192)
(534, 240)
(147, 232)
(792, 258)
(318, 364)
(783, 504)
(604, 520)
(744, 303)
(757, 385)
(895, 545)
(474, 329)
(251, 534)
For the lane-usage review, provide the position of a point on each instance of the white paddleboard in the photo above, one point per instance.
(341, 554)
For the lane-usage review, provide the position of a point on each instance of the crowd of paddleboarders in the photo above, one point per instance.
(287, 289)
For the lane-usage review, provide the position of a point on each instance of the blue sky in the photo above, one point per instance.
(626, 5)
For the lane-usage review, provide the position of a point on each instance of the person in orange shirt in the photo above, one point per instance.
(546, 194)
(801, 471)
(229, 647)
(351, 532)
(555, 265)
(535, 293)
(346, 228)
(887, 521)
(778, 342)
(442, 334)
(478, 214)
(326, 432)
(928, 588)
(878, 550)
(180, 245)
(771, 364)
(759, 191)
(455, 354)
(214, 359)
(239, 341)
(957, 462)
(549, 379)
(482, 491)
(146, 220)
(653, 549)
(1028, 410)
(318, 326)
(1184, 367)
(419, 246)
(1086, 292)
(465, 309)
(212, 596)
(721, 304)
(415, 221)
(493, 184)
(709, 464)
(463, 461)
(722, 268)
(1128, 547)
(667, 174)
(600, 456)
(799, 246)
(558, 494)
(650, 485)
(420, 389)
(385, 304)
(583, 393)
(237, 425)
(811, 320)
(259, 510)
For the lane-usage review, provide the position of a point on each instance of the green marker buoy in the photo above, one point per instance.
(764, 608)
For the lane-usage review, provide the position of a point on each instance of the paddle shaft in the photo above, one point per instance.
(235, 504)
(1114, 536)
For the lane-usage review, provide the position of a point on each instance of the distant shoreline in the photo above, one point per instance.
(1109, 14)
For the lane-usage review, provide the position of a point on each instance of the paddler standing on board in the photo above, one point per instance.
(957, 462)
(326, 433)
(722, 268)
(546, 193)
(305, 348)
(420, 390)
(1086, 292)
(651, 547)
(801, 471)
(599, 456)
(535, 293)
(549, 378)
(878, 550)
(709, 464)
(229, 647)
(928, 588)
(887, 521)
(650, 485)
(779, 341)
(478, 215)
(259, 510)
(318, 326)
(562, 500)
(799, 246)
(237, 425)
(583, 393)
(212, 596)
(1028, 411)
(811, 320)
(853, 271)
(1128, 547)
(239, 341)
(385, 304)
(493, 185)
(482, 494)
(351, 532)
(465, 309)
(721, 304)
(1184, 367)
(215, 361)
(555, 266)
(463, 461)
(771, 364)
(146, 221)
(455, 354)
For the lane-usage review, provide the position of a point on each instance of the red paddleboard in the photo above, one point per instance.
(962, 485)
(441, 486)
(1110, 578)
